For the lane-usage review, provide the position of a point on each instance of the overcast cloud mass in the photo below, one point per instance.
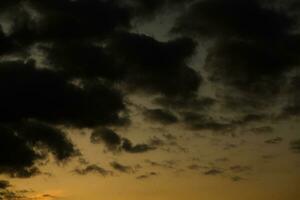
(78, 76)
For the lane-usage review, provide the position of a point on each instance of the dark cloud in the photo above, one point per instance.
(81, 60)
(161, 116)
(237, 178)
(7, 3)
(46, 96)
(92, 60)
(17, 159)
(268, 156)
(167, 144)
(292, 108)
(111, 139)
(7, 45)
(4, 184)
(52, 138)
(116, 143)
(120, 60)
(169, 137)
(22, 146)
(222, 18)
(156, 141)
(195, 167)
(254, 46)
(240, 168)
(61, 20)
(12, 195)
(197, 121)
(121, 168)
(168, 164)
(250, 118)
(224, 159)
(250, 67)
(138, 148)
(202, 121)
(143, 9)
(92, 169)
(33, 95)
(6, 193)
(230, 146)
(213, 172)
(148, 69)
(87, 53)
(261, 130)
(276, 140)
(183, 103)
(295, 146)
(146, 176)
(49, 196)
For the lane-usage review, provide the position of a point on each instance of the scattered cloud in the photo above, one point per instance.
(122, 168)
(213, 172)
(95, 169)
(116, 143)
(146, 176)
(276, 140)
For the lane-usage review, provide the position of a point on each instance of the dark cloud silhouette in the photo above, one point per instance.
(36, 97)
(183, 103)
(213, 172)
(122, 168)
(254, 46)
(146, 176)
(4, 184)
(161, 116)
(169, 137)
(250, 67)
(116, 143)
(156, 141)
(168, 164)
(86, 51)
(237, 178)
(81, 60)
(202, 121)
(52, 138)
(167, 144)
(49, 196)
(240, 168)
(22, 146)
(222, 18)
(295, 146)
(197, 121)
(292, 108)
(48, 97)
(224, 159)
(111, 139)
(230, 146)
(195, 167)
(143, 9)
(95, 169)
(276, 140)
(7, 45)
(148, 69)
(138, 148)
(91, 61)
(7, 193)
(67, 20)
(261, 130)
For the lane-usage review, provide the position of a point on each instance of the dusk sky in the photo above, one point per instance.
(149, 99)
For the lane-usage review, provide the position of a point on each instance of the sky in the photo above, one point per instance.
(149, 100)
